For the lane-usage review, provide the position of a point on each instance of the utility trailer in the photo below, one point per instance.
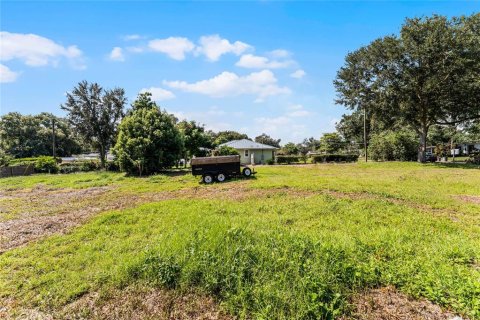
(219, 168)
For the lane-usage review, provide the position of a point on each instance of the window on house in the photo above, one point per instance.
(246, 153)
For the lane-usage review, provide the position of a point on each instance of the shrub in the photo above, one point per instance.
(112, 166)
(390, 146)
(270, 161)
(69, 167)
(81, 166)
(4, 159)
(226, 151)
(45, 164)
(335, 158)
(474, 158)
(90, 165)
(287, 159)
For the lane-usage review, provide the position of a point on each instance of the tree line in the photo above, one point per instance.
(404, 91)
(423, 79)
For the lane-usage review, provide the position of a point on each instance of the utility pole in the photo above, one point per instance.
(53, 137)
(365, 132)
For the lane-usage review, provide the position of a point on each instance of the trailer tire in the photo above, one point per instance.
(207, 179)
(247, 172)
(221, 177)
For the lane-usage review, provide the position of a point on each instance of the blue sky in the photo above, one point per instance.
(248, 66)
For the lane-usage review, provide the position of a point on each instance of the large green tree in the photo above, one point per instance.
(148, 138)
(266, 139)
(33, 135)
(95, 114)
(226, 136)
(331, 143)
(290, 149)
(195, 138)
(427, 75)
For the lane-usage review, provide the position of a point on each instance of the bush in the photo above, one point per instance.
(45, 164)
(391, 146)
(4, 159)
(335, 158)
(81, 166)
(69, 167)
(112, 166)
(270, 161)
(226, 151)
(287, 159)
(474, 158)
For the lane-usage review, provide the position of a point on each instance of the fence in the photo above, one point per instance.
(16, 171)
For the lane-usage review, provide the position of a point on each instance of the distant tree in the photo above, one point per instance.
(425, 76)
(303, 150)
(32, 135)
(290, 149)
(311, 143)
(95, 114)
(226, 151)
(195, 138)
(266, 139)
(389, 146)
(331, 143)
(226, 136)
(148, 139)
(472, 131)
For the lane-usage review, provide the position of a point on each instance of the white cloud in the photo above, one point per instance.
(297, 111)
(7, 75)
(135, 49)
(174, 47)
(213, 47)
(117, 54)
(256, 62)
(36, 51)
(283, 127)
(279, 53)
(262, 84)
(159, 94)
(130, 37)
(298, 74)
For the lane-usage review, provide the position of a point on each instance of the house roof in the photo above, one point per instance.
(247, 144)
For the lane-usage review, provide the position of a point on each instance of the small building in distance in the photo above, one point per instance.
(252, 152)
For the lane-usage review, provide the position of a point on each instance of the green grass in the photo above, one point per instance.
(281, 255)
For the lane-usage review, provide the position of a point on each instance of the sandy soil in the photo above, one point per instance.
(389, 304)
(131, 303)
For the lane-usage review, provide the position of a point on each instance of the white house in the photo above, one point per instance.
(468, 147)
(252, 152)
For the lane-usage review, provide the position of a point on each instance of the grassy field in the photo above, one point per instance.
(295, 242)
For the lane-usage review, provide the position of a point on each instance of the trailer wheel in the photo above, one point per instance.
(207, 178)
(247, 172)
(221, 177)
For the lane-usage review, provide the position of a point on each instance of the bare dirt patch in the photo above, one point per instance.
(27, 215)
(389, 304)
(41, 212)
(138, 302)
(469, 199)
(133, 303)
